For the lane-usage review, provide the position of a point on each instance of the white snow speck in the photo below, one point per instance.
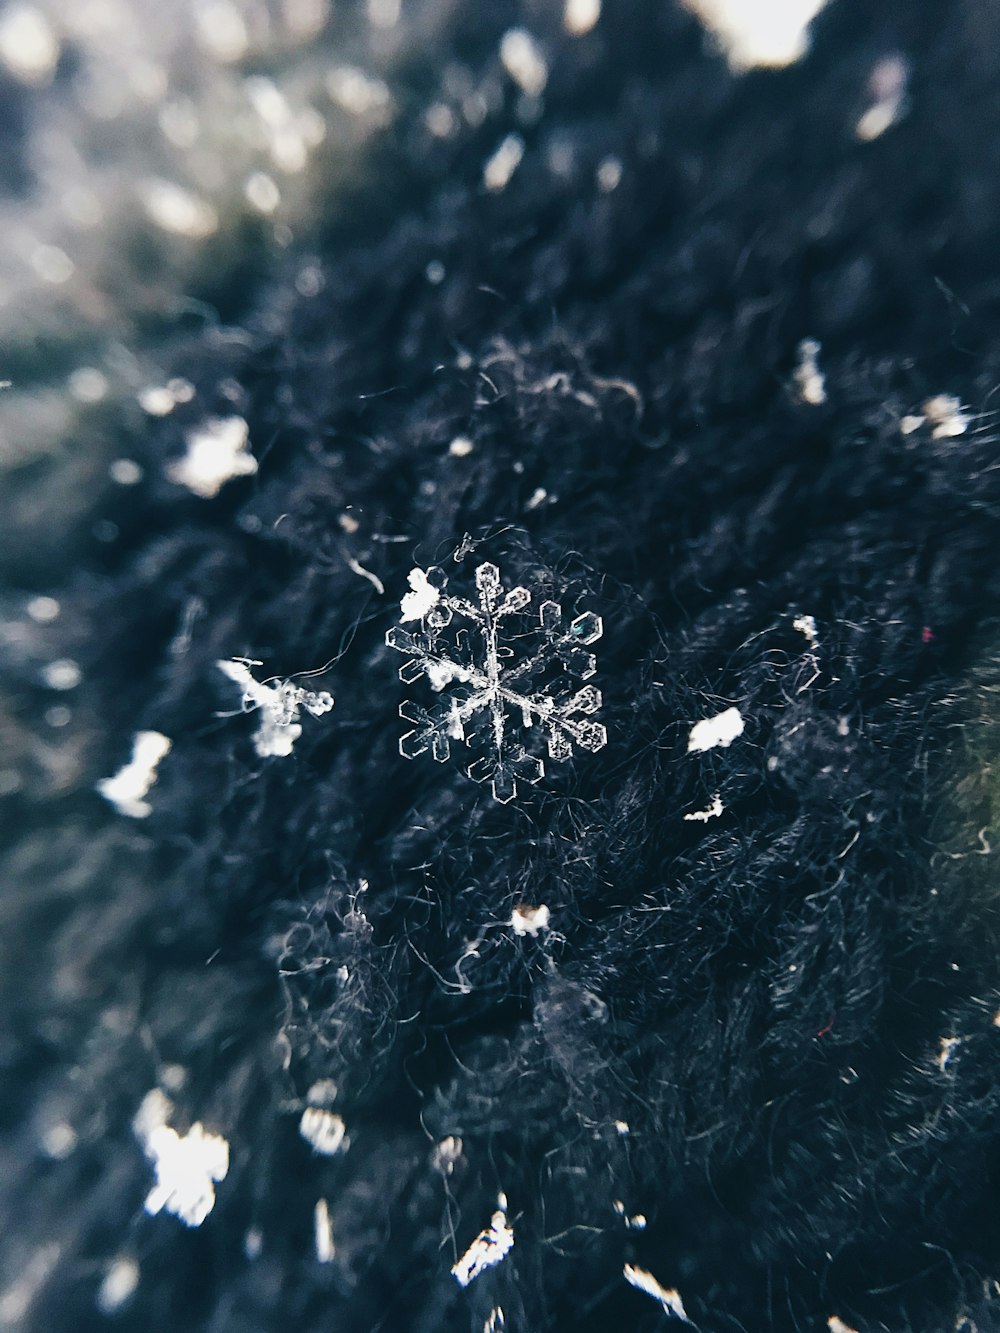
(422, 598)
(279, 703)
(29, 49)
(949, 420)
(177, 211)
(527, 920)
(945, 1051)
(130, 784)
(187, 1168)
(809, 379)
(360, 94)
(716, 732)
(487, 1250)
(460, 447)
(836, 1325)
(887, 91)
(580, 16)
(324, 1131)
(504, 162)
(711, 812)
(754, 34)
(669, 1298)
(326, 1251)
(217, 451)
(524, 62)
(120, 1282)
(807, 625)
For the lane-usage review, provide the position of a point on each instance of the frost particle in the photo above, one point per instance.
(87, 384)
(178, 211)
(130, 784)
(59, 1140)
(360, 94)
(836, 1325)
(446, 1154)
(221, 30)
(945, 411)
(945, 1050)
(580, 16)
(279, 703)
(609, 174)
(125, 471)
(43, 610)
(504, 162)
(64, 674)
(487, 1250)
(754, 35)
(460, 447)
(28, 46)
(423, 597)
(187, 1168)
(217, 451)
(887, 89)
(261, 192)
(711, 812)
(323, 1233)
(324, 1131)
(524, 62)
(527, 920)
(669, 1298)
(120, 1282)
(807, 625)
(716, 732)
(322, 1093)
(809, 379)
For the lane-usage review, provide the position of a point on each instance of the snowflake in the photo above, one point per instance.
(488, 680)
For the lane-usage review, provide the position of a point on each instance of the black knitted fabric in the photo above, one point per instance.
(769, 1032)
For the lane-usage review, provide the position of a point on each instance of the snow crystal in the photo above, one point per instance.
(487, 1250)
(187, 1168)
(278, 702)
(716, 732)
(669, 1298)
(130, 784)
(217, 451)
(498, 680)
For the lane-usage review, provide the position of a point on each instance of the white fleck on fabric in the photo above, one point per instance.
(278, 703)
(187, 1167)
(323, 1130)
(129, 786)
(669, 1298)
(488, 1249)
(716, 732)
(217, 451)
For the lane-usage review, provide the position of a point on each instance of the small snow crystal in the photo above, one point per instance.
(423, 598)
(753, 34)
(716, 732)
(323, 1130)
(489, 1247)
(710, 812)
(130, 784)
(504, 162)
(524, 62)
(529, 920)
(668, 1297)
(947, 416)
(187, 1167)
(279, 703)
(217, 451)
(807, 625)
